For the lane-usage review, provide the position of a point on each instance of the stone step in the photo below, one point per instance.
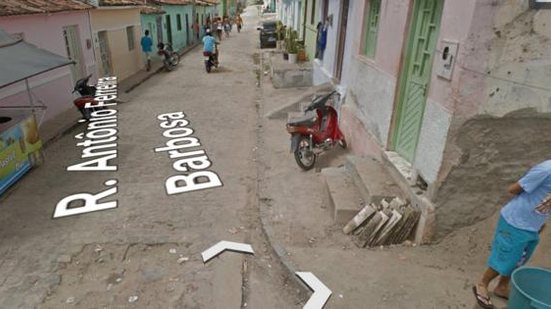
(343, 196)
(372, 179)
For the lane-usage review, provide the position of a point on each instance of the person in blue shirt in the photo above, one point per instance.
(147, 43)
(209, 46)
(517, 232)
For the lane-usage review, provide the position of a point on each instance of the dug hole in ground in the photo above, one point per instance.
(294, 209)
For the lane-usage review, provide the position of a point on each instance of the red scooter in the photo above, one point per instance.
(87, 93)
(315, 132)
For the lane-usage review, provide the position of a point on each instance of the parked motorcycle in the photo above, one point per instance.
(211, 59)
(87, 94)
(315, 132)
(170, 57)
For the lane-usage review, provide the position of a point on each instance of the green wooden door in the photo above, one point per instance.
(416, 76)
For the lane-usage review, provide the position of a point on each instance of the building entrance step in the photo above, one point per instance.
(343, 197)
(372, 179)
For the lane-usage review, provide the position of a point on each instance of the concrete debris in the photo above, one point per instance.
(390, 222)
(70, 300)
(133, 299)
(182, 259)
(172, 251)
(98, 249)
(360, 218)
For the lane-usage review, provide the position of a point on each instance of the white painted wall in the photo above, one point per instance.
(325, 70)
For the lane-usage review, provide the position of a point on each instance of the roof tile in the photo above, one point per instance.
(26, 7)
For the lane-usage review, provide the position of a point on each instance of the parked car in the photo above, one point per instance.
(268, 36)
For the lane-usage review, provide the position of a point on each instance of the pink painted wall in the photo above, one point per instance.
(46, 31)
(392, 27)
(53, 88)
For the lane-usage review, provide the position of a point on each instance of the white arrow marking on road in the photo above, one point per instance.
(223, 246)
(321, 292)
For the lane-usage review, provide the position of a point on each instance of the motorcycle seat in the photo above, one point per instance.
(306, 120)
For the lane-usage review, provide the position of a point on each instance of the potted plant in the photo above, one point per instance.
(280, 33)
(287, 43)
(301, 54)
(292, 48)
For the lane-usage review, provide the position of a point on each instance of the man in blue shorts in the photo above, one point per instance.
(517, 232)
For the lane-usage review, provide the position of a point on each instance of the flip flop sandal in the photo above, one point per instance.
(482, 301)
(501, 296)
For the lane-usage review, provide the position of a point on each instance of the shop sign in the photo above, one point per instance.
(19, 150)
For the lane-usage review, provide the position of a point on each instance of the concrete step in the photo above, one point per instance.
(343, 196)
(372, 179)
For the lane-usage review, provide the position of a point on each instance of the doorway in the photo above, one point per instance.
(415, 76)
(187, 30)
(74, 51)
(342, 39)
(105, 54)
(168, 30)
(159, 21)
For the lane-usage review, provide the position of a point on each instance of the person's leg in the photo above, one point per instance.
(502, 288)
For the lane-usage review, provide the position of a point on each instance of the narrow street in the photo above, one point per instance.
(146, 253)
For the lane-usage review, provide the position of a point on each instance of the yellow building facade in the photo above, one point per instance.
(117, 33)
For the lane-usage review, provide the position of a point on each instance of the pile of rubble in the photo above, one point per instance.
(390, 222)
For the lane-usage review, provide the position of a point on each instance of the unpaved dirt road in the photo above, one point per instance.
(146, 252)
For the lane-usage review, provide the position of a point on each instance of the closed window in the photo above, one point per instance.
(179, 22)
(130, 37)
(372, 28)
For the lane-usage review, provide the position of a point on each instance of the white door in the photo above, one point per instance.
(74, 51)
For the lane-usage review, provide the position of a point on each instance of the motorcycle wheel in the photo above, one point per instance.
(207, 66)
(175, 59)
(343, 143)
(304, 157)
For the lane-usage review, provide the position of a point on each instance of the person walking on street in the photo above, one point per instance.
(517, 233)
(219, 29)
(239, 23)
(147, 43)
(227, 27)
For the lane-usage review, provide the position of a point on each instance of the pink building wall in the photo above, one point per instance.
(482, 129)
(53, 88)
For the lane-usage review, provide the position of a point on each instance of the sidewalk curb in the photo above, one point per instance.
(150, 74)
(280, 251)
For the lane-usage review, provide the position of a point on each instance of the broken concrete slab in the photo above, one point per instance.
(360, 218)
(344, 200)
(386, 231)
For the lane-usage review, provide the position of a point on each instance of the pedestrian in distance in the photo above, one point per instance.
(517, 233)
(219, 29)
(146, 44)
(227, 27)
(239, 23)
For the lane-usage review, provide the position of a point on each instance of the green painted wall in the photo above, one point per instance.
(181, 36)
(222, 7)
